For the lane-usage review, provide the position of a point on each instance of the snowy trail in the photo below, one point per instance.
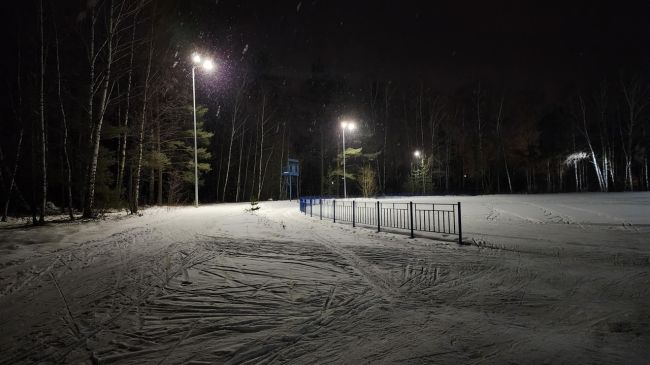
(219, 284)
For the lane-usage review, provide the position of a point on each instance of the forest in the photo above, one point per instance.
(97, 114)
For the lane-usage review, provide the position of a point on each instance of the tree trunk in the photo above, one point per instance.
(599, 175)
(12, 179)
(159, 197)
(220, 167)
(266, 166)
(152, 173)
(254, 169)
(645, 167)
(631, 94)
(122, 152)
(92, 59)
(284, 127)
(503, 151)
(386, 124)
(447, 157)
(248, 157)
(241, 150)
(19, 119)
(145, 101)
(549, 187)
(232, 137)
(66, 157)
(233, 131)
(479, 125)
(32, 163)
(92, 173)
(262, 122)
(42, 117)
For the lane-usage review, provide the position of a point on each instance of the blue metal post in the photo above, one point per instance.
(411, 209)
(378, 217)
(460, 227)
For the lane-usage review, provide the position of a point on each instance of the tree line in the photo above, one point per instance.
(482, 139)
(99, 116)
(95, 119)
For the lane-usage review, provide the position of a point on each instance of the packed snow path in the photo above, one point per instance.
(550, 278)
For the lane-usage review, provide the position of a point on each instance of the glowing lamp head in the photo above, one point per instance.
(208, 65)
(348, 125)
(417, 154)
(196, 58)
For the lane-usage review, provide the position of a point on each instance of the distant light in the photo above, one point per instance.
(196, 58)
(346, 124)
(208, 65)
(416, 153)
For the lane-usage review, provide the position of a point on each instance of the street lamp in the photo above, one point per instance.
(349, 125)
(420, 155)
(208, 66)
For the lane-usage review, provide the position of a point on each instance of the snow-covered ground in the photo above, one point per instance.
(550, 279)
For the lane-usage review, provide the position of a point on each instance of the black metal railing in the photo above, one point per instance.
(410, 216)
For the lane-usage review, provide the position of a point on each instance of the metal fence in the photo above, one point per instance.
(423, 217)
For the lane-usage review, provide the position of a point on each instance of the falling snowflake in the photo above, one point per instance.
(245, 49)
(298, 7)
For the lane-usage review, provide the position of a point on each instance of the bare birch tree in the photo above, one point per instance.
(66, 157)
(236, 123)
(143, 118)
(42, 119)
(97, 132)
(124, 139)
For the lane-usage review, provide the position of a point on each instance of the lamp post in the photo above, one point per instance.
(420, 155)
(207, 65)
(349, 126)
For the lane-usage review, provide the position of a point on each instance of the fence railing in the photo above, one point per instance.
(410, 216)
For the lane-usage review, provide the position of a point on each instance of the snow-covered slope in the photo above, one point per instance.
(552, 278)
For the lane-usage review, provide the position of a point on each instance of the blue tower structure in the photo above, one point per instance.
(289, 172)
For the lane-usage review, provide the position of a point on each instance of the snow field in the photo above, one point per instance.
(551, 278)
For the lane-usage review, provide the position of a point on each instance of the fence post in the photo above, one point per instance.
(311, 207)
(320, 203)
(411, 208)
(460, 227)
(378, 217)
(353, 223)
(334, 206)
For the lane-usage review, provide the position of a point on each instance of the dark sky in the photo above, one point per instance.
(521, 44)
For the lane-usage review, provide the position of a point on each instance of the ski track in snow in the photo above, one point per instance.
(547, 281)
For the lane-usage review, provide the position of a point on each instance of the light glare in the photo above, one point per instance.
(349, 125)
(196, 58)
(208, 65)
(416, 153)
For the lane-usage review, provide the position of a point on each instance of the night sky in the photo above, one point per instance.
(521, 45)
